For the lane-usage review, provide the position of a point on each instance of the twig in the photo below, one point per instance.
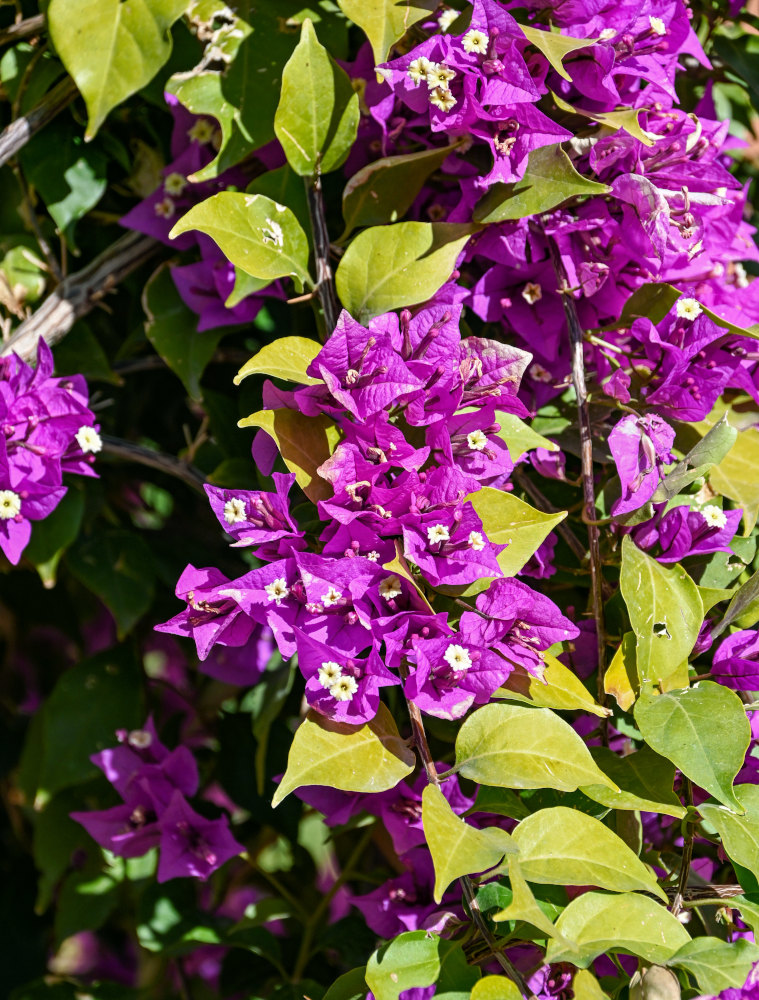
(79, 293)
(564, 530)
(22, 29)
(155, 460)
(16, 135)
(576, 340)
(47, 253)
(711, 893)
(677, 902)
(325, 286)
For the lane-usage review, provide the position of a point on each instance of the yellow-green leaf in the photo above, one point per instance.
(621, 677)
(495, 988)
(645, 782)
(625, 118)
(523, 905)
(519, 437)
(384, 22)
(287, 358)
(368, 758)
(560, 689)
(740, 834)
(555, 46)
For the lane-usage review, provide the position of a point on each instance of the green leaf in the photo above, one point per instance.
(585, 986)
(350, 986)
(655, 300)
(495, 988)
(501, 801)
(743, 609)
(644, 778)
(512, 746)
(740, 834)
(519, 437)
(384, 22)
(735, 476)
(368, 758)
(625, 118)
(559, 688)
(689, 728)
(549, 181)
(597, 923)
(53, 535)
(523, 905)
(171, 327)
(304, 443)
(72, 731)
(385, 189)
(458, 849)
(286, 358)
(709, 451)
(317, 116)
(117, 566)
(716, 964)
(410, 960)
(258, 235)
(400, 265)
(711, 596)
(131, 39)
(555, 47)
(563, 846)
(509, 521)
(621, 677)
(666, 614)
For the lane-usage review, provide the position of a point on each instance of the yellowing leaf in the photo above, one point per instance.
(523, 905)
(560, 689)
(495, 988)
(384, 22)
(368, 758)
(458, 849)
(555, 46)
(625, 118)
(621, 677)
(287, 358)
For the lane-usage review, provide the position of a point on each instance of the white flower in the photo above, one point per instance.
(437, 533)
(446, 19)
(417, 70)
(688, 308)
(201, 131)
(539, 373)
(272, 233)
(175, 184)
(532, 292)
(373, 556)
(607, 34)
(329, 673)
(740, 275)
(657, 25)
(476, 440)
(713, 516)
(390, 587)
(165, 209)
(475, 41)
(442, 99)
(439, 76)
(457, 658)
(140, 739)
(10, 504)
(234, 511)
(476, 541)
(344, 689)
(88, 439)
(332, 597)
(277, 590)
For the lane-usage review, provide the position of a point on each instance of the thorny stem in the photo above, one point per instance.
(677, 902)
(155, 460)
(422, 746)
(325, 286)
(576, 340)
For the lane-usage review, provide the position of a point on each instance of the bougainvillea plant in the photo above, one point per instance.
(383, 620)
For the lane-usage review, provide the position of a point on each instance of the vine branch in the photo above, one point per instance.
(130, 452)
(325, 285)
(688, 835)
(16, 135)
(22, 29)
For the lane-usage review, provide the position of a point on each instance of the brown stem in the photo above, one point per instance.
(79, 293)
(22, 29)
(576, 339)
(16, 135)
(155, 460)
(325, 286)
(677, 902)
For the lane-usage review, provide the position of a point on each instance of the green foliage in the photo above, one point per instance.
(385, 21)
(287, 359)
(417, 959)
(558, 688)
(716, 964)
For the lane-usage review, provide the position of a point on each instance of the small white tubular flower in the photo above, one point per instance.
(417, 70)
(140, 739)
(475, 41)
(344, 689)
(10, 504)
(373, 556)
(439, 76)
(390, 587)
(329, 673)
(165, 208)
(175, 183)
(437, 533)
(532, 292)
(202, 131)
(332, 597)
(234, 511)
(442, 99)
(446, 19)
(277, 590)
(539, 373)
(88, 439)
(688, 308)
(457, 658)
(476, 541)
(657, 25)
(713, 516)
(476, 440)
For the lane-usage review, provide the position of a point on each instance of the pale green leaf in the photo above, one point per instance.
(740, 834)
(286, 358)
(523, 905)
(621, 677)
(743, 609)
(666, 614)
(384, 22)
(644, 778)
(563, 846)
(691, 729)
(495, 988)
(513, 746)
(585, 986)
(399, 265)
(418, 959)
(597, 923)
(555, 46)
(111, 48)
(304, 444)
(519, 437)
(625, 118)
(709, 451)
(317, 116)
(458, 849)
(549, 180)
(559, 688)
(711, 596)
(367, 758)
(717, 965)
(258, 235)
